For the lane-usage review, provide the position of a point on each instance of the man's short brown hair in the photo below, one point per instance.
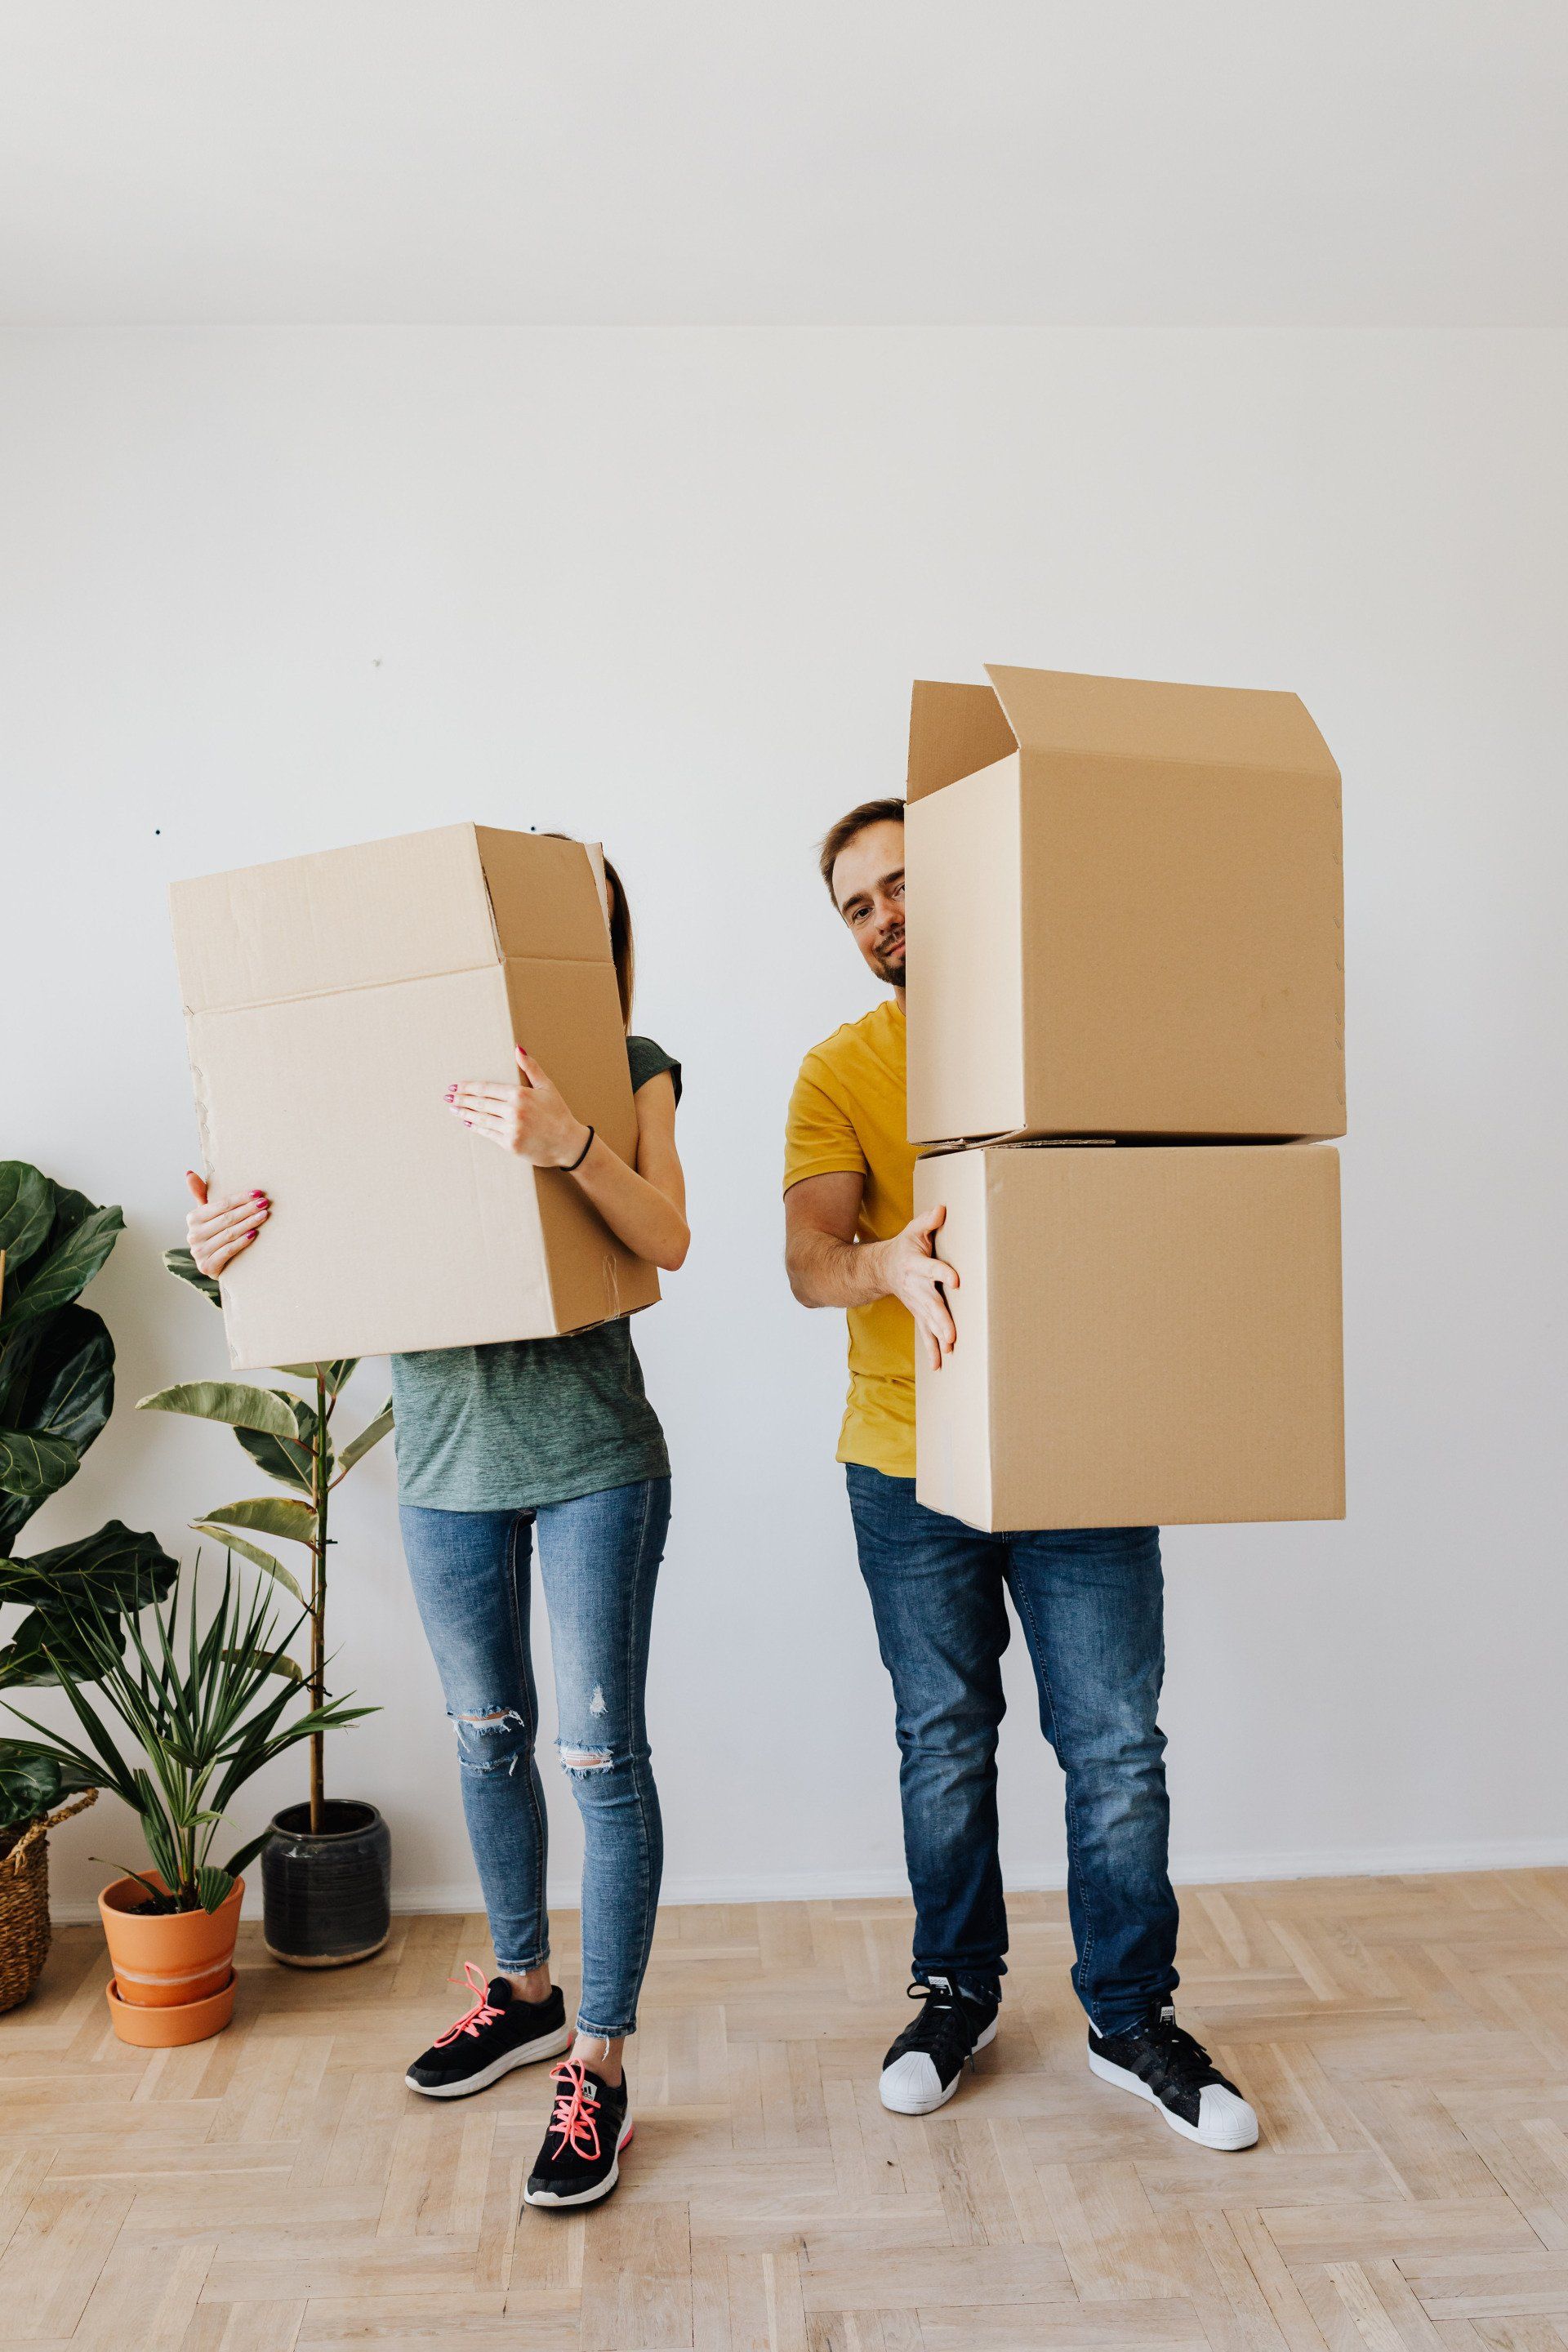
(838, 836)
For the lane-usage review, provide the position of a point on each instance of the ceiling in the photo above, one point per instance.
(622, 162)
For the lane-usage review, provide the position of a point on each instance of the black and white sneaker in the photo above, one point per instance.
(1160, 2062)
(920, 2072)
(590, 2124)
(500, 2031)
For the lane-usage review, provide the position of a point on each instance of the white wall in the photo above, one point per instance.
(270, 591)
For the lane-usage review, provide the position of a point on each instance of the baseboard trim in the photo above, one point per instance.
(867, 1885)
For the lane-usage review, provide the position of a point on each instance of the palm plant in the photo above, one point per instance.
(290, 1438)
(208, 1706)
(57, 1389)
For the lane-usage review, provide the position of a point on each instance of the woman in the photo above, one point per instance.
(491, 1442)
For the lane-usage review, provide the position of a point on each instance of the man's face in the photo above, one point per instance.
(868, 887)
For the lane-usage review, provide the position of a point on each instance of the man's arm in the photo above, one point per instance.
(829, 1267)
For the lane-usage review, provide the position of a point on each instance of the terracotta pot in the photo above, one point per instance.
(168, 1959)
(175, 2023)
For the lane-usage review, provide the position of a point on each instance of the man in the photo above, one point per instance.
(1090, 1600)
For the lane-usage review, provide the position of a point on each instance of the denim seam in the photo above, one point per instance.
(639, 1768)
(605, 2032)
(525, 1683)
(1075, 1861)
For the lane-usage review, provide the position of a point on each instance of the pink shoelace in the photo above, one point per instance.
(483, 2012)
(573, 2118)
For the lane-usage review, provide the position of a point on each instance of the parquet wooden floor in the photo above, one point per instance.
(278, 2189)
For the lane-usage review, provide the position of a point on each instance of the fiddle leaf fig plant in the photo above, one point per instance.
(289, 1438)
(57, 1389)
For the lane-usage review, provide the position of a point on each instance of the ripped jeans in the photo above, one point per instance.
(598, 1562)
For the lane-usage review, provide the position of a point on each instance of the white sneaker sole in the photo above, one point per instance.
(527, 2054)
(1126, 2081)
(930, 2106)
(547, 2197)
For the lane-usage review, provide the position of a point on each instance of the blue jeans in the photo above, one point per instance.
(598, 1562)
(1091, 1601)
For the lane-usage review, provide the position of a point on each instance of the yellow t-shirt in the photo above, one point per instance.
(848, 1115)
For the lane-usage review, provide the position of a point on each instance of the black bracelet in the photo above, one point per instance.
(581, 1156)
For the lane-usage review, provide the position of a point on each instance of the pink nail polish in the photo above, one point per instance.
(259, 1196)
(467, 1122)
(250, 1236)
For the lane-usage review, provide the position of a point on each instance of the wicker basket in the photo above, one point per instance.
(25, 1902)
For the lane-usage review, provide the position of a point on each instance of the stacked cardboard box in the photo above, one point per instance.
(1126, 1048)
(329, 1000)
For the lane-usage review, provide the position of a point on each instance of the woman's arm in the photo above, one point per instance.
(643, 1206)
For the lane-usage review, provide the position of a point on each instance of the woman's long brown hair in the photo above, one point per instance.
(621, 946)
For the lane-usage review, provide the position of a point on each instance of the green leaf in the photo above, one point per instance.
(280, 1458)
(65, 1386)
(278, 1661)
(57, 1381)
(69, 1267)
(34, 1780)
(96, 1577)
(335, 1373)
(35, 1466)
(274, 1515)
(212, 1885)
(235, 1401)
(183, 1267)
(27, 1212)
(252, 1552)
(371, 1434)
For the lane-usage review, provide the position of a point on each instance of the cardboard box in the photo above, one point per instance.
(330, 1001)
(1125, 911)
(1146, 1335)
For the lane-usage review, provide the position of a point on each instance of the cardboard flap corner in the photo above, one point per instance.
(953, 731)
(1153, 721)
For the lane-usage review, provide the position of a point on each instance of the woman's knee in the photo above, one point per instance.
(493, 1739)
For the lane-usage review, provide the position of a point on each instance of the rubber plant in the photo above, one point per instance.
(290, 1438)
(57, 1389)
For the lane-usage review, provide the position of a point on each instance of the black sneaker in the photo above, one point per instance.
(500, 2031)
(1160, 2062)
(920, 2072)
(589, 2125)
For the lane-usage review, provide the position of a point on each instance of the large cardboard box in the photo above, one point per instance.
(1125, 911)
(1146, 1335)
(330, 1001)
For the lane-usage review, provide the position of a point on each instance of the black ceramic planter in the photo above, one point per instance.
(327, 1899)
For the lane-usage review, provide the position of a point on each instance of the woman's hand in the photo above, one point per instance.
(218, 1230)
(534, 1120)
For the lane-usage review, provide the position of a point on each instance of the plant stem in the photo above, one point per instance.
(319, 1606)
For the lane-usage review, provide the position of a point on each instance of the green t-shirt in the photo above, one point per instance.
(523, 1422)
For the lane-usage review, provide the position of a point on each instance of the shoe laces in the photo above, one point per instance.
(483, 2012)
(572, 2117)
(1186, 2063)
(942, 2019)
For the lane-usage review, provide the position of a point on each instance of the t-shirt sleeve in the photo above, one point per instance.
(647, 1060)
(819, 1134)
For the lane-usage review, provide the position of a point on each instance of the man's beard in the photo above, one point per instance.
(892, 971)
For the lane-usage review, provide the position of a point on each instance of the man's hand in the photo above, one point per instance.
(829, 1267)
(534, 1120)
(910, 1270)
